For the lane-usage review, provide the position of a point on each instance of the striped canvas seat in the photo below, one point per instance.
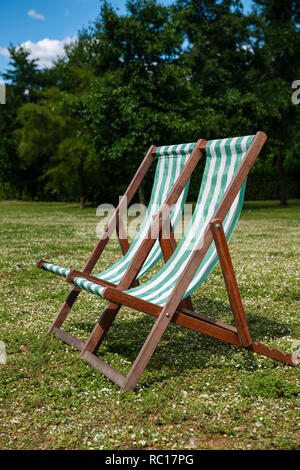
(222, 160)
(170, 163)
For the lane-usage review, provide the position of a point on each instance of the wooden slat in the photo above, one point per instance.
(104, 368)
(122, 236)
(287, 358)
(101, 328)
(69, 339)
(218, 323)
(166, 238)
(206, 327)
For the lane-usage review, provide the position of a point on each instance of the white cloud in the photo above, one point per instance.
(4, 52)
(35, 15)
(45, 51)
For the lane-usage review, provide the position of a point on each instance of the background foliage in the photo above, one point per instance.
(198, 68)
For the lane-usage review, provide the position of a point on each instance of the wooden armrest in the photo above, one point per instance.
(74, 273)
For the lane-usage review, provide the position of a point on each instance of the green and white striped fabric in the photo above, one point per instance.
(170, 163)
(222, 162)
(54, 268)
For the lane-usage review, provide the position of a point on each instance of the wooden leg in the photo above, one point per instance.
(147, 350)
(65, 309)
(101, 328)
(231, 283)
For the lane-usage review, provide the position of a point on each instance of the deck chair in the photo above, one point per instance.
(205, 241)
(174, 166)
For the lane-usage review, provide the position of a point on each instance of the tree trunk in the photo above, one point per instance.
(81, 201)
(282, 177)
(81, 186)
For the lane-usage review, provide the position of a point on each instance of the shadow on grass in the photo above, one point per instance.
(181, 350)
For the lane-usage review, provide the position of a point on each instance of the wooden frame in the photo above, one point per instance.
(176, 309)
(116, 223)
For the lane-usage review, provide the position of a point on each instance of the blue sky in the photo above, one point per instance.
(44, 27)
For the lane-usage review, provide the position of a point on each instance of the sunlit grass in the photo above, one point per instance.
(196, 392)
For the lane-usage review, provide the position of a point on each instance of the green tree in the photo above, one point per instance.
(74, 71)
(219, 55)
(24, 74)
(143, 96)
(54, 148)
(23, 83)
(158, 74)
(277, 64)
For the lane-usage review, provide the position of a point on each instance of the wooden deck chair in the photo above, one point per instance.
(219, 204)
(174, 166)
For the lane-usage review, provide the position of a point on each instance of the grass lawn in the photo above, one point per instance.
(196, 393)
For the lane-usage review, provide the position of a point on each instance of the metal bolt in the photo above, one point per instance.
(218, 226)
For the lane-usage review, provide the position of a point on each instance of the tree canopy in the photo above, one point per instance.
(156, 75)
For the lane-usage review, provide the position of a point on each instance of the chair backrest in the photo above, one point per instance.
(223, 158)
(170, 163)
